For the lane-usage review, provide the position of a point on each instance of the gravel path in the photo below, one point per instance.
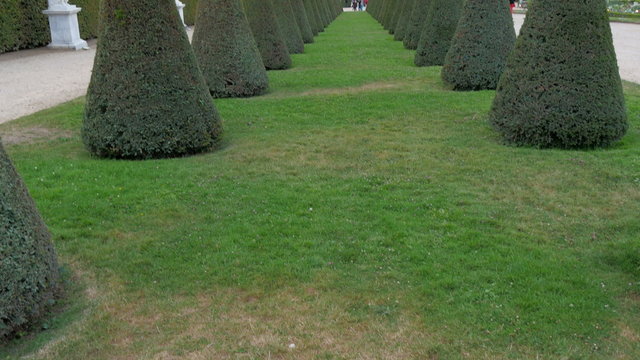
(33, 80)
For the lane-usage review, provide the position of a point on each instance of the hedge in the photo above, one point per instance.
(479, 49)
(147, 97)
(562, 89)
(226, 51)
(24, 26)
(404, 20)
(416, 23)
(264, 26)
(28, 264)
(302, 20)
(288, 26)
(439, 28)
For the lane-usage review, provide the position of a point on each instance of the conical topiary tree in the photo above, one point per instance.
(314, 22)
(398, 8)
(267, 34)
(147, 97)
(479, 49)
(288, 26)
(226, 51)
(324, 20)
(28, 265)
(389, 12)
(562, 88)
(416, 24)
(302, 20)
(439, 27)
(403, 20)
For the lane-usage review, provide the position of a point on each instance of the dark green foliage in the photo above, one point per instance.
(378, 10)
(22, 25)
(324, 19)
(288, 26)
(28, 265)
(403, 20)
(375, 8)
(302, 20)
(316, 10)
(479, 49)
(435, 39)
(190, 11)
(147, 97)
(561, 87)
(389, 10)
(397, 11)
(226, 51)
(316, 27)
(267, 34)
(88, 17)
(328, 11)
(323, 13)
(414, 28)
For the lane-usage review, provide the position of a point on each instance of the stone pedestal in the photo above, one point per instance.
(63, 23)
(180, 7)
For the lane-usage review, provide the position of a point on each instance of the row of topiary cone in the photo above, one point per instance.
(150, 93)
(557, 86)
(147, 98)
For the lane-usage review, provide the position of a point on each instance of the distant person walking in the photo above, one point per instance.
(360, 5)
(512, 4)
(354, 5)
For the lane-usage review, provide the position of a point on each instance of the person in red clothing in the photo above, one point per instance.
(512, 5)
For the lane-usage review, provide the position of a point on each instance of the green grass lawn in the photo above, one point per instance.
(359, 210)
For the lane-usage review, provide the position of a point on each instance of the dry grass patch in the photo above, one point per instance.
(32, 134)
(410, 85)
(304, 323)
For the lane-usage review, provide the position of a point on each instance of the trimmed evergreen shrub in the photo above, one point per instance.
(561, 88)
(314, 22)
(267, 34)
(316, 10)
(226, 51)
(324, 20)
(28, 264)
(374, 8)
(403, 20)
(328, 10)
(389, 11)
(22, 25)
(190, 11)
(147, 98)
(288, 26)
(88, 18)
(397, 11)
(302, 20)
(479, 49)
(16, 34)
(414, 28)
(442, 19)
